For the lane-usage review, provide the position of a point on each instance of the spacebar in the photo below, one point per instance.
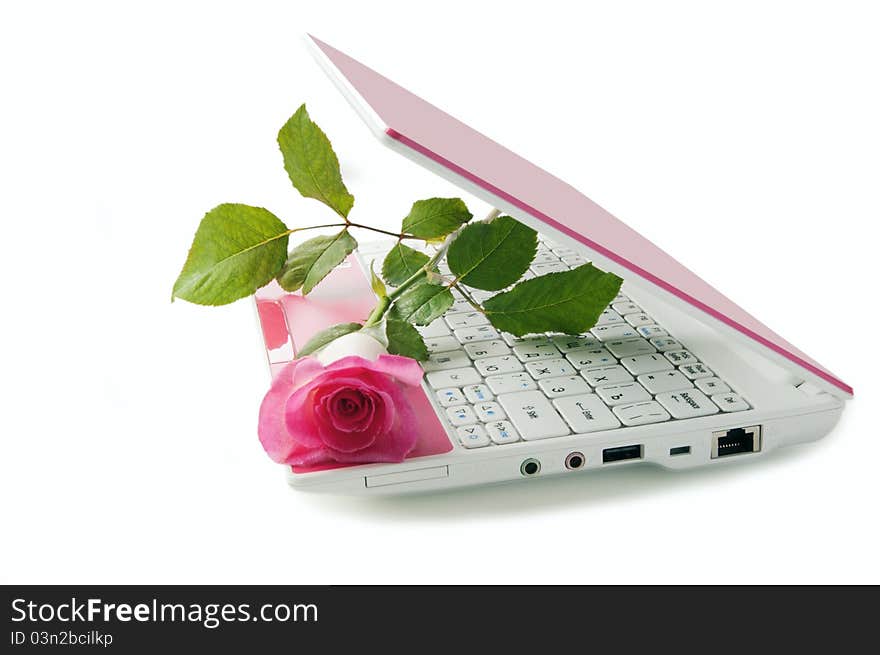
(532, 415)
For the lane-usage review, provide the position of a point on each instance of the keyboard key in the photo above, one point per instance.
(590, 358)
(549, 368)
(622, 394)
(479, 295)
(621, 298)
(695, 371)
(569, 385)
(730, 402)
(532, 415)
(586, 413)
(599, 377)
(641, 413)
(612, 332)
(687, 404)
(498, 365)
(609, 317)
(533, 352)
(446, 360)
(567, 343)
(545, 257)
(665, 343)
(629, 347)
(679, 357)
(435, 329)
(624, 308)
(459, 305)
(442, 344)
(711, 386)
(511, 340)
(552, 267)
(664, 381)
(465, 319)
(489, 411)
(483, 349)
(477, 393)
(510, 382)
(450, 396)
(473, 436)
(456, 377)
(573, 261)
(502, 432)
(645, 364)
(638, 319)
(461, 415)
(472, 334)
(649, 331)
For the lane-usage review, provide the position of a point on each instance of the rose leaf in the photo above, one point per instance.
(569, 302)
(236, 250)
(422, 304)
(401, 263)
(311, 261)
(492, 255)
(311, 163)
(436, 217)
(404, 339)
(324, 337)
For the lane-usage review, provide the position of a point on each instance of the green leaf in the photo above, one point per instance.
(422, 304)
(324, 337)
(311, 163)
(492, 255)
(404, 339)
(436, 217)
(377, 284)
(568, 302)
(401, 263)
(312, 260)
(236, 250)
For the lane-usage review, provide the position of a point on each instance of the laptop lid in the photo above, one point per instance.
(439, 142)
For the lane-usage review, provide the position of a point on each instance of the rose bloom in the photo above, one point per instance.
(352, 410)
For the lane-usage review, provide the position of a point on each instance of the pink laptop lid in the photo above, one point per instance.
(468, 158)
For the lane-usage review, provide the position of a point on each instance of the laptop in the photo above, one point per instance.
(673, 374)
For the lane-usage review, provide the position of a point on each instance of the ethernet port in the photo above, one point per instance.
(736, 441)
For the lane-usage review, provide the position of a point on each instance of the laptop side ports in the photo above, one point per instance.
(621, 453)
(530, 467)
(574, 461)
(736, 441)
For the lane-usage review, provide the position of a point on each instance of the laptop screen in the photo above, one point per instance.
(427, 130)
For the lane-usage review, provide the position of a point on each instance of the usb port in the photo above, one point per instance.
(680, 450)
(736, 441)
(621, 453)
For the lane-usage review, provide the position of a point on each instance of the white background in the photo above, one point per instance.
(743, 139)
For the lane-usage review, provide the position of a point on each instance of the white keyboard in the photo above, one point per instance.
(497, 389)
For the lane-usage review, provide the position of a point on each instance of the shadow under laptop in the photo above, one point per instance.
(583, 488)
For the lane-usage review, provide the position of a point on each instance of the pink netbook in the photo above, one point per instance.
(674, 373)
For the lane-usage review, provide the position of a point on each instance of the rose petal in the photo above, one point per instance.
(308, 368)
(299, 417)
(300, 424)
(271, 427)
(403, 369)
(350, 409)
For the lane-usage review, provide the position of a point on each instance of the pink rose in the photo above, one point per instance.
(351, 411)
